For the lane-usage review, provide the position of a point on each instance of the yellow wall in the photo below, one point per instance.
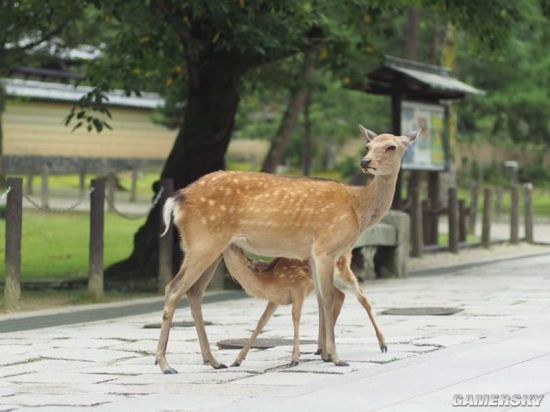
(37, 128)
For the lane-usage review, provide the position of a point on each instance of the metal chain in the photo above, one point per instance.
(111, 204)
(59, 209)
(4, 195)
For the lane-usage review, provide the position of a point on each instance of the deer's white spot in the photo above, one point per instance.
(203, 199)
(212, 217)
(203, 220)
(211, 202)
(222, 207)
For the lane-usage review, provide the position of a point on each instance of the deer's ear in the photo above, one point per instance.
(369, 135)
(411, 136)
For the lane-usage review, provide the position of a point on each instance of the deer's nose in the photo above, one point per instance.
(365, 163)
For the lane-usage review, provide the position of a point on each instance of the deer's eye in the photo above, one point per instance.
(391, 148)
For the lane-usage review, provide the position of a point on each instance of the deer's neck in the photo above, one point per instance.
(375, 199)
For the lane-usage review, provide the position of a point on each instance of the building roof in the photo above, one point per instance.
(416, 80)
(35, 89)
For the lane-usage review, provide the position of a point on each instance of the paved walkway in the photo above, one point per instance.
(498, 343)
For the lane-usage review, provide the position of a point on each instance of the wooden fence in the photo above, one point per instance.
(462, 219)
(98, 197)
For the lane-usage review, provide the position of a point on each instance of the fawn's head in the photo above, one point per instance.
(384, 151)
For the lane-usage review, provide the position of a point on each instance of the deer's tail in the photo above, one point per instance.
(170, 209)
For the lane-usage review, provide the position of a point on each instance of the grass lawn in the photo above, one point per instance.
(56, 245)
(46, 299)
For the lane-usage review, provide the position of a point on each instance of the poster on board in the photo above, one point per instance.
(428, 151)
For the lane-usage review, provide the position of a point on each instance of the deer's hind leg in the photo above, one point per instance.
(194, 266)
(194, 297)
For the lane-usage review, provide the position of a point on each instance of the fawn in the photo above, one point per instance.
(288, 281)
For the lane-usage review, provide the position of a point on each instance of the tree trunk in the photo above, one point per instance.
(411, 33)
(199, 149)
(307, 153)
(290, 119)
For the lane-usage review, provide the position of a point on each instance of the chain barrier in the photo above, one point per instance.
(111, 204)
(4, 195)
(59, 209)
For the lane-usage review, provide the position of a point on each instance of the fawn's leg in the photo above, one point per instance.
(270, 308)
(347, 277)
(339, 298)
(297, 305)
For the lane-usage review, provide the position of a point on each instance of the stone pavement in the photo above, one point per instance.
(498, 343)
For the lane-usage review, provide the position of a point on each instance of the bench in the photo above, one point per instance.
(383, 250)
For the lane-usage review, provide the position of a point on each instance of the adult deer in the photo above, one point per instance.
(298, 218)
(288, 281)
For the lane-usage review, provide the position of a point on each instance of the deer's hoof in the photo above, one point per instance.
(169, 371)
(341, 363)
(294, 363)
(326, 358)
(235, 364)
(383, 348)
(221, 366)
(318, 352)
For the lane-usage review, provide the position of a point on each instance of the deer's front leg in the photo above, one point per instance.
(296, 316)
(323, 274)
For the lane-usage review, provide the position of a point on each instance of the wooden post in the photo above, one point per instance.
(433, 203)
(417, 241)
(472, 218)
(453, 220)
(29, 182)
(396, 99)
(12, 257)
(82, 181)
(166, 242)
(45, 186)
(425, 221)
(514, 215)
(462, 220)
(528, 194)
(111, 188)
(133, 188)
(97, 222)
(486, 224)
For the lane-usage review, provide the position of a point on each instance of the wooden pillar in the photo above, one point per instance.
(417, 241)
(12, 257)
(45, 186)
(111, 188)
(528, 194)
(425, 221)
(29, 182)
(452, 209)
(82, 180)
(97, 224)
(472, 218)
(396, 99)
(433, 202)
(166, 242)
(133, 188)
(486, 224)
(514, 215)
